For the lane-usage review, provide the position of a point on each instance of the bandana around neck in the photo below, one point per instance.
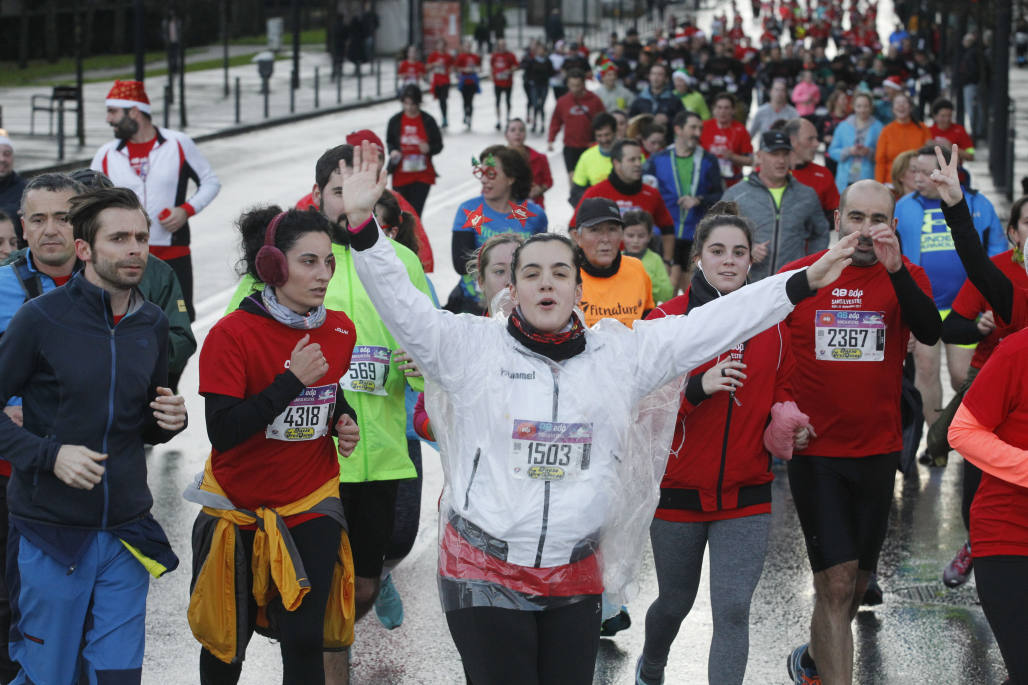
(555, 346)
(286, 316)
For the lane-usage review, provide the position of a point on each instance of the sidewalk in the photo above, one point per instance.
(209, 112)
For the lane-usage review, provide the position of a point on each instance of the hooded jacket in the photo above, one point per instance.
(707, 187)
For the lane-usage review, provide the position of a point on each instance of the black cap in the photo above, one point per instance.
(595, 210)
(773, 141)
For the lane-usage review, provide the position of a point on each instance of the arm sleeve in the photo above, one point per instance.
(462, 246)
(422, 425)
(708, 331)
(556, 121)
(986, 276)
(207, 182)
(232, 420)
(997, 240)
(435, 137)
(152, 432)
(18, 358)
(181, 343)
(393, 134)
(986, 450)
(663, 219)
(959, 330)
(881, 160)
(916, 307)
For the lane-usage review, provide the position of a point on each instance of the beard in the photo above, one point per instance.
(110, 271)
(864, 258)
(126, 128)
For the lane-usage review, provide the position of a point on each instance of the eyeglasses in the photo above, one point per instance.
(481, 172)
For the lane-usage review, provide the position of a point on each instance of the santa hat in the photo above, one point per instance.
(357, 137)
(5, 139)
(128, 94)
(893, 82)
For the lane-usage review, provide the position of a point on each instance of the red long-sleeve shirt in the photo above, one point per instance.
(575, 116)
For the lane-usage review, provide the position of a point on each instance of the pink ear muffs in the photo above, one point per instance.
(271, 264)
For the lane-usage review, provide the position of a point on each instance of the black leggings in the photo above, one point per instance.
(468, 91)
(500, 92)
(442, 94)
(415, 193)
(1004, 594)
(408, 510)
(552, 647)
(300, 632)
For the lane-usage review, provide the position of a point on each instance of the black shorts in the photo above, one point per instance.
(571, 155)
(683, 250)
(843, 506)
(370, 509)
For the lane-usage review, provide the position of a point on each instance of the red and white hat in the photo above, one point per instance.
(128, 94)
(355, 138)
(893, 82)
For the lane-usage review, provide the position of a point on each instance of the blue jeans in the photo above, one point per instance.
(974, 110)
(89, 619)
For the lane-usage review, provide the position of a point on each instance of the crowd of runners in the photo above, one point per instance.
(642, 371)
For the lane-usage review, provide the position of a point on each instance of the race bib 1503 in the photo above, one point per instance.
(307, 417)
(849, 336)
(543, 450)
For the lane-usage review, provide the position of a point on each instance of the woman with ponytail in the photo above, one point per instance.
(269, 375)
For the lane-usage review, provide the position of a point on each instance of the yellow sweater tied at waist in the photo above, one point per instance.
(218, 601)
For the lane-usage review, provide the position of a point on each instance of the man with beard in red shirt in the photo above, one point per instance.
(850, 342)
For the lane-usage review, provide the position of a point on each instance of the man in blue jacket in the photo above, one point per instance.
(89, 360)
(658, 97)
(689, 181)
(927, 242)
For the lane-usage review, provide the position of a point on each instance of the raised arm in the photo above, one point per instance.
(707, 331)
(439, 342)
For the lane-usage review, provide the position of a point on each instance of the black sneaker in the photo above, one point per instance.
(873, 594)
(616, 624)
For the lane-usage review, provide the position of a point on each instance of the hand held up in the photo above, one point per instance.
(307, 362)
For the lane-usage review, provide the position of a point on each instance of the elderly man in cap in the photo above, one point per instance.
(787, 216)
(157, 164)
(11, 183)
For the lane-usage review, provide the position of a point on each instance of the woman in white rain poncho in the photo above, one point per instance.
(553, 438)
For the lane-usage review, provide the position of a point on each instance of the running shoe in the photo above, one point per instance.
(639, 680)
(388, 605)
(800, 674)
(934, 460)
(616, 624)
(873, 594)
(958, 571)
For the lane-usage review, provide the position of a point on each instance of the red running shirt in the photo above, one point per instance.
(854, 405)
(242, 355)
(969, 303)
(502, 65)
(439, 65)
(734, 139)
(648, 199)
(410, 72)
(468, 61)
(821, 180)
(415, 165)
(954, 134)
(139, 157)
(998, 399)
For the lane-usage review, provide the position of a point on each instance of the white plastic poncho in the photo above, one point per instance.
(548, 464)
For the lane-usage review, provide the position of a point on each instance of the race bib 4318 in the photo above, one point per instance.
(307, 417)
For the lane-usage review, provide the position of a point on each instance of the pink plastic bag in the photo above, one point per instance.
(786, 418)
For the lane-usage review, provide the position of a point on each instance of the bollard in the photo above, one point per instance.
(292, 93)
(339, 88)
(237, 99)
(317, 101)
(266, 93)
(378, 77)
(60, 130)
(1, 116)
(167, 103)
(358, 83)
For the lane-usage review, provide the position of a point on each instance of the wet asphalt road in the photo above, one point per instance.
(922, 633)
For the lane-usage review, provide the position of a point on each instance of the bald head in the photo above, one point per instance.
(863, 205)
(868, 190)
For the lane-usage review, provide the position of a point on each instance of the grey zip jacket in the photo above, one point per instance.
(796, 229)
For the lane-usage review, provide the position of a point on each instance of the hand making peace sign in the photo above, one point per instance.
(945, 177)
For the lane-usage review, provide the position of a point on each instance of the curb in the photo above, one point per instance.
(229, 132)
